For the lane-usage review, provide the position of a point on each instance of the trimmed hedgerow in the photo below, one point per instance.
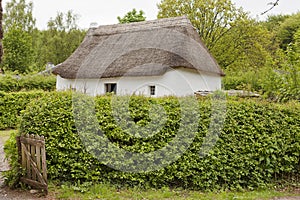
(259, 142)
(11, 104)
(12, 83)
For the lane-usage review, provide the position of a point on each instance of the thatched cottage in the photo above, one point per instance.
(156, 58)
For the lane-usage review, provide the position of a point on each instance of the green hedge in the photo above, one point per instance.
(259, 142)
(11, 104)
(11, 83)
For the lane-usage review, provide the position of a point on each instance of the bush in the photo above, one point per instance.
(259, 142)
(247, 80)
(11, 104)
(10, 83)
(11, 151)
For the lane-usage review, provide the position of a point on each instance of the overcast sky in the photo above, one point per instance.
(106, 11)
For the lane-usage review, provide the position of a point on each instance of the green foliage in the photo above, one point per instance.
(11, 151)
(18, 52)
(64, 22)
(12, 83)
(11, 104)
(18, 13)
(132, 16)
(211, 18)
(59, 41)
(245, 47)
(243, 80)
(283, 84)
(56, 44)
(236, 41)
(274, 21)
(259, 142)
(287, 29)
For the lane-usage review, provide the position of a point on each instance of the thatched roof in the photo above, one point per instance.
(147, 48)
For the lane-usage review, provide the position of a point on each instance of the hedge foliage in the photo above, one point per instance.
(259, 141)
(11, 104)
(13, 83)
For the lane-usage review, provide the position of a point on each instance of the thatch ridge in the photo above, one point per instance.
(139, 49)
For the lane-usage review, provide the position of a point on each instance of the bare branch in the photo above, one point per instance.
(273, 4)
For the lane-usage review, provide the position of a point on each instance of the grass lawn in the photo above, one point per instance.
(102, 191)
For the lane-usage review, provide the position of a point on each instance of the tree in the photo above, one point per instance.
(287, 29)
(18, 13)
(18, 26)
(64, 22)
(283, 85)
(59, 41)
(18, 50)
(273, 22)
(236, 41)
(245, 46)
(132, 16)
(291, 77)
(212, 18)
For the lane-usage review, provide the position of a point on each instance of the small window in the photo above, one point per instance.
(152, 90)
(111, 87)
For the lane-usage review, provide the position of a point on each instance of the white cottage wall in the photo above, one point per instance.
(178, 82)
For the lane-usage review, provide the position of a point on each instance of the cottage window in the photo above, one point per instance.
(111, 87)
(152, 90)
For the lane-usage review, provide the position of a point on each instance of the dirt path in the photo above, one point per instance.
(3, 162)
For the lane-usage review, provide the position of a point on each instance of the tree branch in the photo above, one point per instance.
(273, 4)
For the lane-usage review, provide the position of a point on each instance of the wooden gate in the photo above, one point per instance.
(32, 156)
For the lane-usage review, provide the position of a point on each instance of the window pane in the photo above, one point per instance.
(152, 90)
(111, 87)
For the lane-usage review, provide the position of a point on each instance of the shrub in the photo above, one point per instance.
(247, 80)
(259, 142)
(10, 83)
(11, 151)
(11, 104)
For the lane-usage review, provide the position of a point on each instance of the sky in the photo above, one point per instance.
(105, 12)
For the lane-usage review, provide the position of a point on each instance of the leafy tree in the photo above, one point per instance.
(291, 78)
(59, 41)
(273, 22)
(212, 18)
(18, 50)
(64, 22)
(287, 30)
(18, 26)
(18, 13)
(237, 42)
(245, 46)
(132, 16)
(282, 84)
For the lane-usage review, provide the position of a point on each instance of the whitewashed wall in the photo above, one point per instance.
(179, 82)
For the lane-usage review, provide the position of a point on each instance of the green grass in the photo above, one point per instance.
(104, 191)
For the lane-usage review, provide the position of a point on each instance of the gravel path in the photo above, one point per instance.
(3, 163)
